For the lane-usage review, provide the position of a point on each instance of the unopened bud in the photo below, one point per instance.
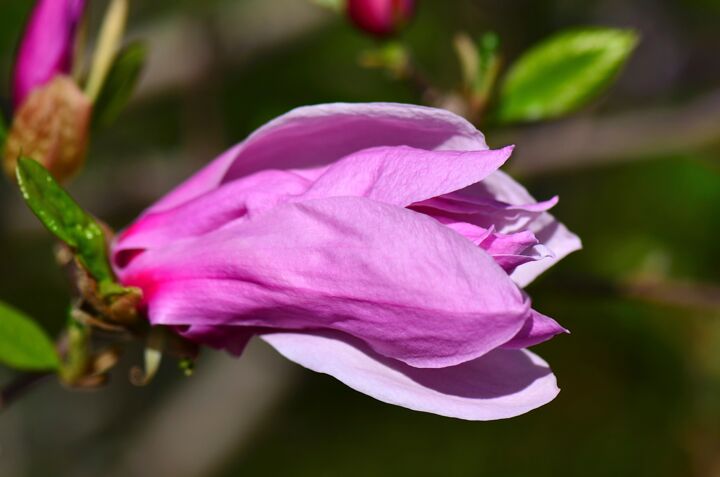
(46, 49)
(380, 17)
(51, 126)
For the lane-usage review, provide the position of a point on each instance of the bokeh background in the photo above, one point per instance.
(638, 174)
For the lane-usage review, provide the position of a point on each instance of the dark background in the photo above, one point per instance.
(638, 174)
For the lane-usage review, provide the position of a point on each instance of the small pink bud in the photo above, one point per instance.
(51, 126)
(47, 45)
(381, 17)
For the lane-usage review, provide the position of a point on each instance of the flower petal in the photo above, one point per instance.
(395, 175)
(404, 175)
(477, 220)
(411, 288)
(232, 339)
(500, 384)
(551, 233)
(210, 211)
(317, 135)
(537, 329)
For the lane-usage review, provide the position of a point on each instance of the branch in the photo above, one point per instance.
(18, 387)
(682, 294)
(592, 141)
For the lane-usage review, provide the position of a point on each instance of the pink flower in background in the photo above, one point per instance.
(46, 49)
(377, 243)
(380, 17)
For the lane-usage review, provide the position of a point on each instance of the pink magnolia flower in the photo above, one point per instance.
(377, 243)
(46, 49)
(380, 17)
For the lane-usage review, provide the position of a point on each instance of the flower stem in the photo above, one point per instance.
(111, 34)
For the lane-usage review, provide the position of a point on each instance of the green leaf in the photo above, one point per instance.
(563, 73)
(23, 344)
(120, 83)
(65, 218)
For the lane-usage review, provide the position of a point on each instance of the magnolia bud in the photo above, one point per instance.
(380, 17)
(51, 126)
(47, 45)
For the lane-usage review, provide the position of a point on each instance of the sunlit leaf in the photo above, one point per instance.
(120, 83)
(23, 344)
(64, 218)
(563, 73)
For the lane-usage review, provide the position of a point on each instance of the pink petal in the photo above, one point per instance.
(396, 175)
(47, 45)
(484, 210)
(512, 250)
(404, 175)
(509, 250)
(537, 329)
(411, 288)
(232, 339)
(551, 233)
(312, 136)
(557, 238)
(205, 213)
(500, 384)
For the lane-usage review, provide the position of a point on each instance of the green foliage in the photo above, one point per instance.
(65, 218)
(478, 61)
(120, 83)
(23, 344)
(563, 73)
(391, 56)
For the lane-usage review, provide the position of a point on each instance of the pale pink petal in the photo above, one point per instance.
(404, 175)
(203, 181)
(551, 233)
(509, 250)
(485, 211)
(501, 384)
(411, 288)
(313, 136)
(396, 175)
(557, 238)
(537, 329)
(247, 196)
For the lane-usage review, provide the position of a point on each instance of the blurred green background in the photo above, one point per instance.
(638, 174)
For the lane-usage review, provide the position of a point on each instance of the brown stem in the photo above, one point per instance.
(18, 387)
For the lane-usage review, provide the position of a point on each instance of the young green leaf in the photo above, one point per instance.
(64, 218)
(563, 73)
(120, 83)
(23, 344)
